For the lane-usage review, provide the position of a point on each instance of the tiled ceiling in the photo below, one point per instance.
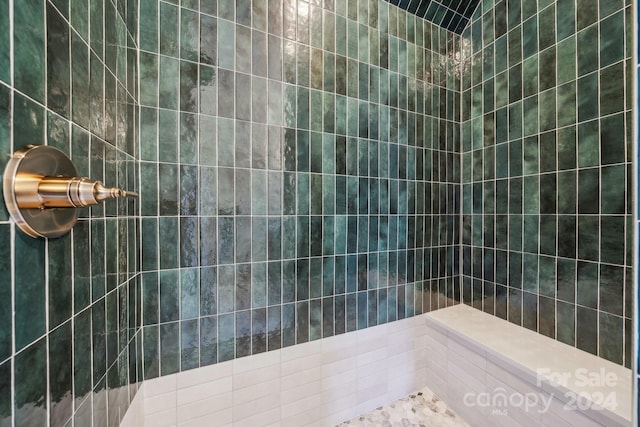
(450, 14)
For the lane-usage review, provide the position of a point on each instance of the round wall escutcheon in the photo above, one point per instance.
(21, 179)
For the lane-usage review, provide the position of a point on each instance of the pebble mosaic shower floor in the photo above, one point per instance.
(422, 408)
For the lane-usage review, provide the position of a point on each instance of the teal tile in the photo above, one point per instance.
(169, 30)
(5, 400)
(612, 89)
(60, 279)
(565, 18)
(5, 132)
(588, 97)
(587, 50)
(169, 86)
(29, 49)
(29, 290)
(5, 293)
(189, 35)
(60, 379)
(148, 26)
(96, 26)
(169, 348)
(611, 39)
(5, 59)
(189, 344)
(151, 362)
(611, 337)
(208, 340)
(612, 139)
(566, 60)
(30, 372)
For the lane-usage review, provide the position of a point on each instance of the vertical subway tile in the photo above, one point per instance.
(30, 371)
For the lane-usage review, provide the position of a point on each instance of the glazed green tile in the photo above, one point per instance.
(60, 380)
(5, 60)
(587, 52)
(169, 293)
(30, 374)
(5, 292)
(151, 361)
(587, 97)
(611, 36)
(169, 348)
(28, 121)
(565, 18)
(611, 337)
(169, 83)
(208, 340)
(611, 289)
(612, 89)
(226, 339)
(169, 251)
(611, 251)
(96, 26)
(587, 12)
(612, 139)
(148, 26)
(169, 29)
(29, 290)
(60, 281)
(5, 132)
(5, 399)
(613, 192)
(29, 49)
(189, 345)
(566, 60)
(588, 144)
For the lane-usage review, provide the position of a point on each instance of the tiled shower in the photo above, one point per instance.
(308, 169)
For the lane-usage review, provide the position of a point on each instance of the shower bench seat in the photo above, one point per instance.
(492, 372)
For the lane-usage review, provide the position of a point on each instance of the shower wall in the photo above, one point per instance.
(69, 341)
(299, 174)
(546, 161)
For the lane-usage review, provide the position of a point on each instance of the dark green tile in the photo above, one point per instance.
(208, 341)
(169, 29)
(189, 345)
(61, 376)
(611, 337)
(612, 89)
(151, 352)
(612, 39)
(29, 48)
(5, 42)
(60, 281)
(611, 249)
(5, 398)
(612, 139)
(30, 290)
(613, 195)
(566, 60)
(58, 63)
(586, 330)
(5, 292)
(189, 35)
(30, 376)
(611, 289)
(169, 348)
(82, 355)
(169, 296)
(565, 18)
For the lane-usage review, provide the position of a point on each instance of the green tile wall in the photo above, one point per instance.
(299, 174)
(546, 170)
(71, 352)
(307, 168)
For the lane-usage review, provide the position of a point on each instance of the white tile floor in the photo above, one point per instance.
(422, 408)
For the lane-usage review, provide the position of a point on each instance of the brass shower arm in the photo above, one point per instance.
(42, 192)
